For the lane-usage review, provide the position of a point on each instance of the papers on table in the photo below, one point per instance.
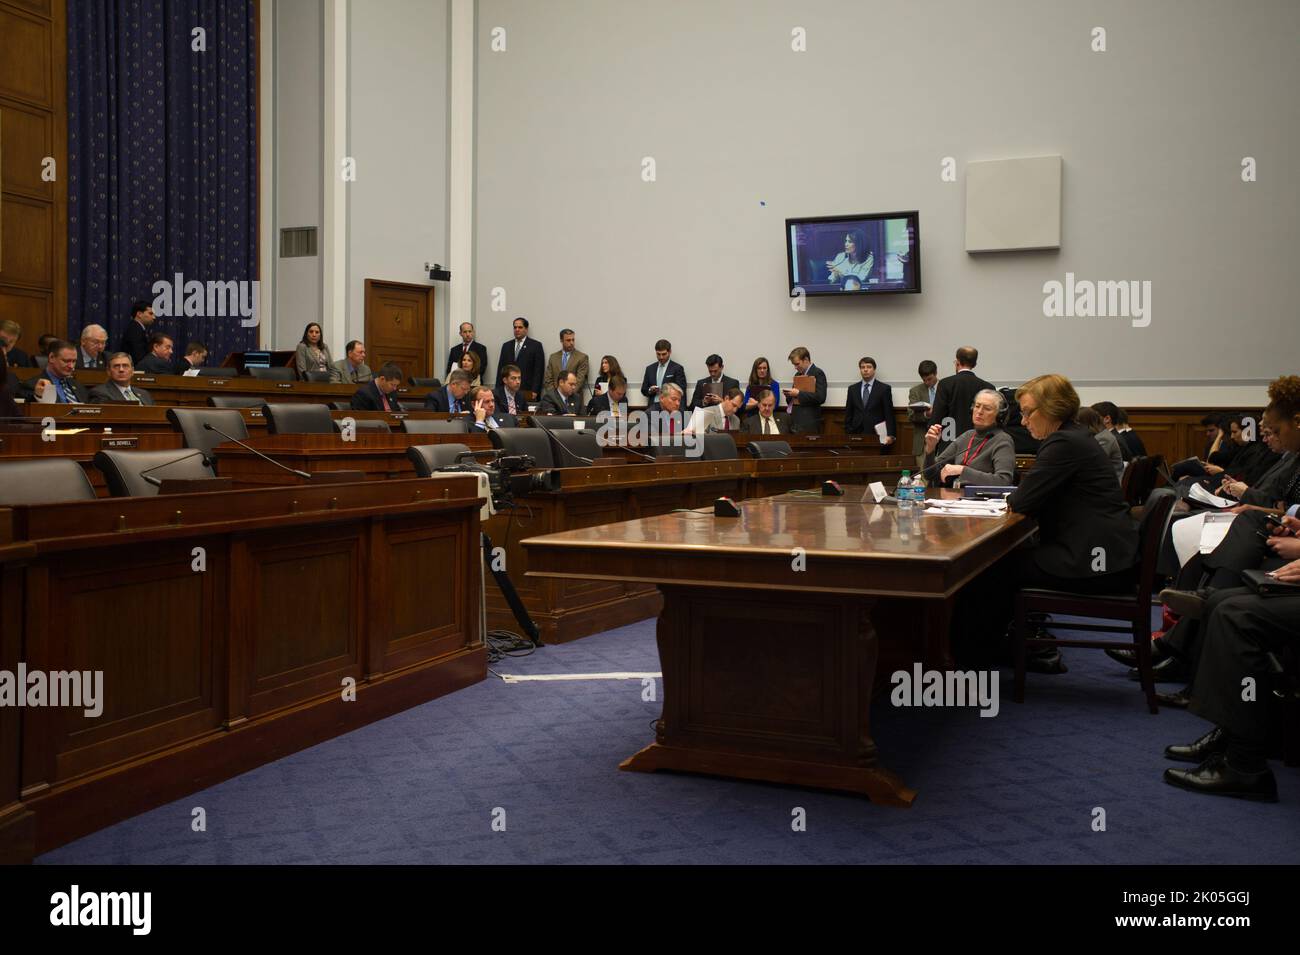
(966, 508)
(1200, 533)
(1202, 496)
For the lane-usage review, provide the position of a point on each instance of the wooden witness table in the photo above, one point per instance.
(210, 671)
(768, 669)
(380, 457)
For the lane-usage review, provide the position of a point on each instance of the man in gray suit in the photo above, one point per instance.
(920, 417)
(118, 387)
(353, 369)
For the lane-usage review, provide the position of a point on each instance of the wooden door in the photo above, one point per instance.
(399, 327)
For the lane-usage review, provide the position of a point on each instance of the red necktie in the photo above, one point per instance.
(384, 398)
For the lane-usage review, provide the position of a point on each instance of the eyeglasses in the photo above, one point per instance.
(1028, 412)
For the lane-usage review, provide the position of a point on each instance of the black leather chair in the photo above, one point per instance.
(580, 443)
(428, 458)
(435, 425)
(411, 404)
(294, 418)
(218, 372)
(367, 424)
(234, 401)
(321, 377)
(529, 441)
(424, 382)
(274, 374)
(1133, 608)
(558, 422)
(43, 481)
(123, 470)
(42, 361)
(769, 449)
(720, 447)
(190, 421)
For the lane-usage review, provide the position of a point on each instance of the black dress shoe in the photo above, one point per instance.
(1210, 744)
(1185, 603)
(1215, 777)
(1130, 658)
(1045, 660)
(1168, 670)
(1178, 701)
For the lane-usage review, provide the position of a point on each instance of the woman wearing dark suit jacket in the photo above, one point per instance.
(1086, 541)
(983, 455)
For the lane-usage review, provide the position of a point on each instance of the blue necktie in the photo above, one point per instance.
(564, 361)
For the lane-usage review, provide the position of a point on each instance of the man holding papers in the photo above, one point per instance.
(720, 417)
(870, 406)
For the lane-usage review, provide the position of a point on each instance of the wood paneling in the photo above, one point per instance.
(399, 326)
(33, 125)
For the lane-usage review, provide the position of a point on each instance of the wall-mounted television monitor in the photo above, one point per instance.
(870, 254)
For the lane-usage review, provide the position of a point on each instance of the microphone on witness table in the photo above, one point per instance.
(208, 426)
(157, 482)
(571, 453)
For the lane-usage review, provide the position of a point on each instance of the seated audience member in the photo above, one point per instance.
(983, 455)
(58, 374)
(609, 367)
(43, 343)
(118, 387)
(920, 394)
(663, 369)
(509, 394)
(159, 360)
(1267, 490)
(312, 354)
(806, 406)
(135, 340)
(1216, 434)
(717, 384)
(760, 381)
(352, 368)
(195, 357)
(1104, 437)
(1242, 633)
(563, 398)
(483, 405)
(90, 349)
(374, 394)
(719, 417)
(768, 420)
(472, 366)
(1114, 418)
(1072, 492)
(9, 384)
(1254, 457)
(870, 402)
(613, 401)
(15, 357)
(450, 397)
(671, 398)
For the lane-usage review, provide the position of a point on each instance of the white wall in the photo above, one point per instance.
(397, 116)
(1152, 133)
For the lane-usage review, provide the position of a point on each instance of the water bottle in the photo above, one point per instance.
(918, 489)
(904, 492)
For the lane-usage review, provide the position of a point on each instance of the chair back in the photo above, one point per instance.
(124, 470)
(428, 458)
(234, 401)
(580, 443)
(367, 424)
(42, 361)
(557, 422)
(274, 374)
(318, 376)
(769, 449)
(530, 441)
(190, 421)
(1140, 476)
(424, 382)
(43, 481)
(435, 425)
(720, 447)
(411, 404)
(293, 418)
(1151, 530)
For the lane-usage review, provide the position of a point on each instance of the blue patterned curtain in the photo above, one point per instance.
(162, 155)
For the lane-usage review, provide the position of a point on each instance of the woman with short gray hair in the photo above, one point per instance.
(983, 455)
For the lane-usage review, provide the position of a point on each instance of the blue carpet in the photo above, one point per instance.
(421, 787)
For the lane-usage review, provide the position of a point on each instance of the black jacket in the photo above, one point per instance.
(1071, 490)
(953, 399)
(8, 389)
(806, 416)
(601, 403)
(368, 398)
(1271, 486)
(1130, 445)
(135, 341)
(555, 403)
(17, 358)
(99, 364)
(440, 400)
(674, 373)
(880, 407)
(697, 398)
(478, 348)
(1252, 462)
(503, 405)
(531, 362)
(754, 424)
(154, 365)
(109, 393)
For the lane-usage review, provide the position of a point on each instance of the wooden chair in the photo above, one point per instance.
(1134, 609)
(1140, 478)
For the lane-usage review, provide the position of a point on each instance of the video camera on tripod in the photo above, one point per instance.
(502, 478)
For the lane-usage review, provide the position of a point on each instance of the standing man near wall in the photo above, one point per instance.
(467, 344)
(528, 354)
(955, 395)
(568, 358)
(920, 417)
(806, 406)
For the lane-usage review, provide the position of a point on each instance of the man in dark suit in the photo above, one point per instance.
(483, 404)
(660, 372)
(61, 363)
(563, 398)
(135, 340)
(450, 398)
(720, 383)
(508, 394)
(374, 394)
(467, 344)
(159, 361)
(806, 406)
(768, 421)
(10, 332)
(614, 401)
(955, 396)
(118, 387)
(528, 355)
(870, 402)
(1114, 418)
(90, 350)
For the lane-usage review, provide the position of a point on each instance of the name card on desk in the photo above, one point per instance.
(284, 384)
(255, 412)
(145, 379)
(81, 411)
(217, 381)
(130, 441)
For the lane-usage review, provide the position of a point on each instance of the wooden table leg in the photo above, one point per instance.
(771, 685)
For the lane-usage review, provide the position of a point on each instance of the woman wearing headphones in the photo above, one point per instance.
(983, 455)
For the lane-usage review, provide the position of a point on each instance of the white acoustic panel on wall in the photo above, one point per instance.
(1013, 204)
